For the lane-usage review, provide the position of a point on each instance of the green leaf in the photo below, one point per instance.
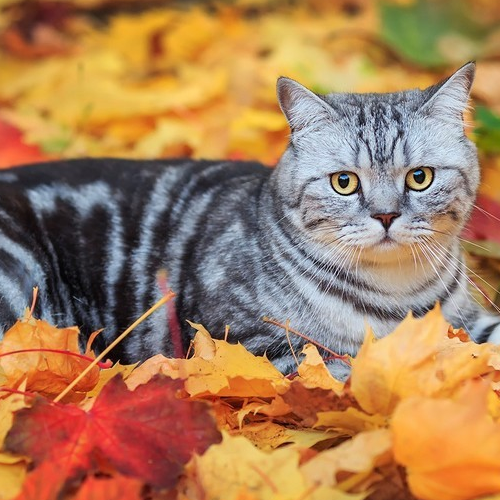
(487, 130)
(431, 33)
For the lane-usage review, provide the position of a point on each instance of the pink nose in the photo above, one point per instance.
(386, 219)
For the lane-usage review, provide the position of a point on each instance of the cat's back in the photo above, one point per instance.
(120, 179)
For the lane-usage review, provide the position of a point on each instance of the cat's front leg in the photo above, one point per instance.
(486, 327)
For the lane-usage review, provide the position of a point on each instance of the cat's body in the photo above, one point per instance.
(341, 233)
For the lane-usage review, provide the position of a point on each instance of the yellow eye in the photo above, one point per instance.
(345, 182)
(419, 178)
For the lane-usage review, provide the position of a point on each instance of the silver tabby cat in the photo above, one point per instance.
(358, 222)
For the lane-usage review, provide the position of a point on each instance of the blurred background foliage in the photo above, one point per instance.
(150, 78)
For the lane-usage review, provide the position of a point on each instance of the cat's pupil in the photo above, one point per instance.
(419, 176)
(344, 180)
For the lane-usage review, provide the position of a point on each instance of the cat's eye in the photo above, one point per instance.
(345, 182)
(419, 178)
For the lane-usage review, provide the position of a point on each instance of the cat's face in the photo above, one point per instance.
(384, 173)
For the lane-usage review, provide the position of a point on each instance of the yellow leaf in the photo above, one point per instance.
(451, 448)
(12, 474)
(269, 435)
(217, 368)
(351, 420)
(361, 454)
(314, 373)
(277, 407)
(9, 403)
(235, 470)
(417, 358)
(45, 372)
(108, 373)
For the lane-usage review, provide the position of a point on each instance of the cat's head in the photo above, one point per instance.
(382, 172)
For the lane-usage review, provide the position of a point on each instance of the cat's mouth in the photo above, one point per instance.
(387, 243)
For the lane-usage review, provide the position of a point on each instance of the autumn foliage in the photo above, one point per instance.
(418, 418)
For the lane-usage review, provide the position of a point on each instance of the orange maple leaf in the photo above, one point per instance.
(47, 357)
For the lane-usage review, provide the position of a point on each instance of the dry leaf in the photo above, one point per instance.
(451, 448)
(49, 358)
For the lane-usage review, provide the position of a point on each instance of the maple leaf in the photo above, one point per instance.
(115, 488)
(236, 470)
(158, 432)
(217, 368)
(12, 475)
(360, 455)
(48, 358)
(314, 373)
(306, 402)
(451, 448)
(269, 435)
(417, 358)
(44, 483)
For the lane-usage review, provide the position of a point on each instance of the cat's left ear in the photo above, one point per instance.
(302, 108)
(448, 99)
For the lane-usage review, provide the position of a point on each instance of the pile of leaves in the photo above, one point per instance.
(419, 417)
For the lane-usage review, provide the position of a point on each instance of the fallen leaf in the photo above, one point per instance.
(314, 373)
(12, 475)
(107, 374)
(159, 431)
(44, 483)
(417, 358)
(450, 448)
(217, 368)
(24, 356)
(235, 468)
(306, 403)
(359, 455)
(114, 488)
(269, 436)
(9, 403)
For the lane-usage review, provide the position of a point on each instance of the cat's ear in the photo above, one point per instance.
(448, 99)
(301, 107)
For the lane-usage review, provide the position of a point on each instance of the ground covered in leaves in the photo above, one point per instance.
(420, 415)
(418, 418)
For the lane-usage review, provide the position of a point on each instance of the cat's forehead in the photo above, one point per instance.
(374, 106)
(375, 125)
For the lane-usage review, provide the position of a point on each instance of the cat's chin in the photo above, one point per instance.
(386, 251)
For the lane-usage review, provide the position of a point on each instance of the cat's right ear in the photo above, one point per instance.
(302, 108)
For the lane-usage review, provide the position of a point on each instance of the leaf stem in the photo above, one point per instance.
(150, 311)
(56, 351)
(333, 355)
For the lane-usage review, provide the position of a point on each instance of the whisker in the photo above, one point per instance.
(485, 212)
(465, 240)
(430, 254)
(469, 280)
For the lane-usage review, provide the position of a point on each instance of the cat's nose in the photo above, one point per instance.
(386, 219)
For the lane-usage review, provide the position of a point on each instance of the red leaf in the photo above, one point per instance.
(44, 483)
(115, 488)
(13, 151)
(147, 433)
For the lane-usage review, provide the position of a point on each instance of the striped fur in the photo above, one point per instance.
(240, 241)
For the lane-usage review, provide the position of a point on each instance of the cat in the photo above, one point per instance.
(359, 222)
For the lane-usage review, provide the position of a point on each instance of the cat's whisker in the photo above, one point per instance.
(468, 279)
(465, 240)
(414, 257)
(428, 252)
(469, 270)
(485, 212)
